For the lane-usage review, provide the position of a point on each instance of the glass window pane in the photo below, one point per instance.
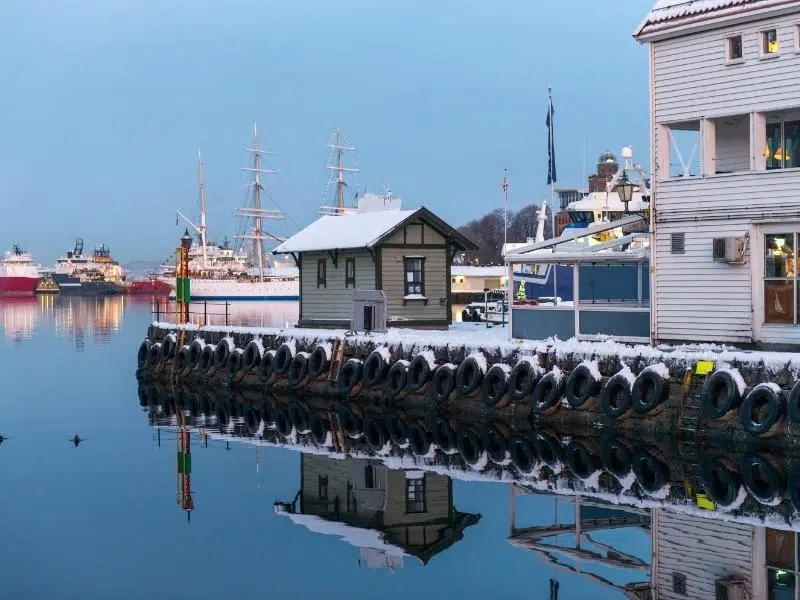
(780, 585)
(779, 260)
(791, 146)
(773, 152)
(780, 548)
(779, 301)
(735, 47)
(770, 41)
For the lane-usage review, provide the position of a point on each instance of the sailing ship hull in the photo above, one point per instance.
(73, 286)
(17, 286)
(234, 289)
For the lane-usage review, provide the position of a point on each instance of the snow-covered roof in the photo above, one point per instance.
(599, 201)
(360, 230)
(666, 13)
(468, 271)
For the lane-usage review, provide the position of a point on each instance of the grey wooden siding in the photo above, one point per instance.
(393, 284)
(334, 302)
(437, 497)
(692, 78)
(414, 233)
(704, 550)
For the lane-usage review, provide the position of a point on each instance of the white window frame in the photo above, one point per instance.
(797, 37)
(757, 254)
(728, 59)
(762, 39)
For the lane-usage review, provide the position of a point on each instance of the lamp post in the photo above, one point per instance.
(182, 287)
(625, 190)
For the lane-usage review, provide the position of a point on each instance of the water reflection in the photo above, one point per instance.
(637, 517)
(19, 317)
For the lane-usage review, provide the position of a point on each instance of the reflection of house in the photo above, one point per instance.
(386, 513)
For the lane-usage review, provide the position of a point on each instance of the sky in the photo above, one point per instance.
(105, 103)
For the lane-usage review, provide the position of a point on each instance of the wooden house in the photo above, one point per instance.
(406, 253)
(725, 150)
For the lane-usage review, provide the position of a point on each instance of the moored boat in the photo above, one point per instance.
(19, 275)
(151, 286)
(98, 274)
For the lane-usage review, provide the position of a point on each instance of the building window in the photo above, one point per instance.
(769, 42)
(416, 501)
(734, 48)
(369, 477)
(351, 498)
(322, 273)
(780, 278)
(350, 273)
(323, 487)
(679, 584)
(783, 144)
(415, 276)
(782, 563)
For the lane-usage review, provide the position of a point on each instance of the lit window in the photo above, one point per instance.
(735, 47)
(783, 144)
(416, 497)
(780, 278)
(415, 276)
(769, 42)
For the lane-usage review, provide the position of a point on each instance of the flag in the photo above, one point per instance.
(505, 180)
(551, 145)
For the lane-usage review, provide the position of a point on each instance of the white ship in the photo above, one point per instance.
(219, 272)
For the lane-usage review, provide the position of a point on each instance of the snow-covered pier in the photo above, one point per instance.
(709, 391)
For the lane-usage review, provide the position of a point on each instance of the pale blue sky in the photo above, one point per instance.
(103, 104)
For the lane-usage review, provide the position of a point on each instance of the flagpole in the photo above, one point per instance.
(551, 177)
(505, 208)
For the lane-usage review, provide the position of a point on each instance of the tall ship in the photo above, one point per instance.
(222, 272)
(97, 274)
(19, 275)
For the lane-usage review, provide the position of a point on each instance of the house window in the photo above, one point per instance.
(416, 501)
(322, 487)
(782, 145)
(782, 563)
(322, 273)
(351, 498)
(350, 273)
(734, 49)
(769, 42)
(369, 477)
(780, 278)
(415, 276)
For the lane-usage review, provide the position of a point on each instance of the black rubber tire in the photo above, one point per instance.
(495, 443)
(615, 398)
(616, 458)
(580, 460)
(793, 403)
(352, 425)
(651, 474)
(141, 355)
(443, 384)
(465, 316)
(181, 363)
(522, 453)
(721, 484)
(251, 356)
(282, 361)
(547, 393)
(470, 445)
(195, 348)
(144, 395)
(299, 417)
(265, 368)
(297, 376)
(206, 362)
(397, 429)
(443, 434)
(720, 395)
(319, 429)
(581, 387)
(375, 369)
(283, 423)
(762, 409)
(649, 390)
(318, 362)
(494, 386)
(350, 374)
(222, 352)
(396, 380)
(521, 382)
(548, 449)
(469, 376)
(168, 348)
(419, 373)
(153, 355)
(375, 434)
(793, 489)
(763, 481)
(234, 364)
(419, 439)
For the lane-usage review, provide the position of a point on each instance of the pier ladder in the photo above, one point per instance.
(337, 358)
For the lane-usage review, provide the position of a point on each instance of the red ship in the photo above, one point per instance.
(152, 287)
(19, 276)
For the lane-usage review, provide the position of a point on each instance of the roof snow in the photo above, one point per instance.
(675, 10)
(343, 232)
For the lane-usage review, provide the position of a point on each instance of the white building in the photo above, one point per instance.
(725, 146)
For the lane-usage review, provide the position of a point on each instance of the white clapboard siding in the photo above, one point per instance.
(692, 78)
(703, 550)
(733, 144)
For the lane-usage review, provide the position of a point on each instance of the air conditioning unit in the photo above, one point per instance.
(729, 250)
(730, 589)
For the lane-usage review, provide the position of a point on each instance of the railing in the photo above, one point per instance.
(199, 312)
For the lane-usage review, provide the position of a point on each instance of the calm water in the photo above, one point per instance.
(107, 519)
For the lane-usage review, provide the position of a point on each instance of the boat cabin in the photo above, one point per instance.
(406, 253)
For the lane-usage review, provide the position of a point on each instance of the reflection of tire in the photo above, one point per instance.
(616, 458)
(616, 396)
(548, 449)
(443, 434)
(721, 483)
(763, 409)
(397, 429)
(720, 395)
(419, 439)
(522, 453)
(581, 387)
(299, 417)
(351, 424)
(793, 489)
(521, 381)
(495, 444)
(319, 429)
(375, 434)
(651, 474)
(649, 391)
(283, 423)
(580, 461)
(764, 482)
(470, 446)
(547, 392)
(493, 388)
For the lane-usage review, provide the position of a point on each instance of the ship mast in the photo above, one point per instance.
(202, 227)
(255, 211)
(339, 147)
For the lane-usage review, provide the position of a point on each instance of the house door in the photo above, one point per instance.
(369, 312)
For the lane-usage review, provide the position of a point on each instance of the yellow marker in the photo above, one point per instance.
(703, 367)
(704, 503)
